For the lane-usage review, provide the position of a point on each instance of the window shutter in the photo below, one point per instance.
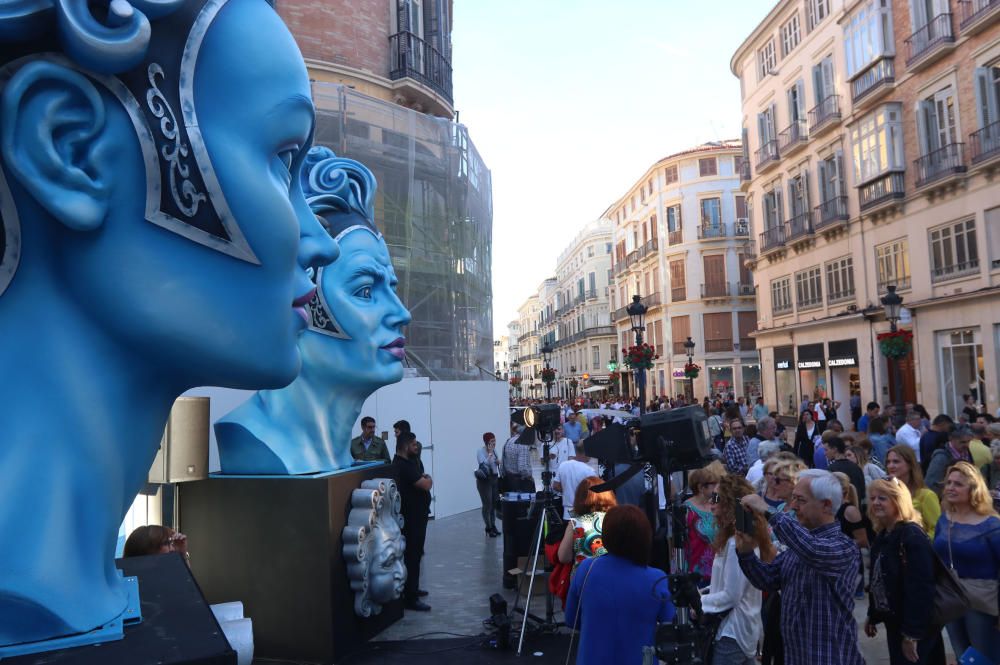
(824, 182)
(841, 182)
(800, 100)
(986, 106)
(926, 133)
(805, 190)
(818, 88)
(827, 68)
(778, 208)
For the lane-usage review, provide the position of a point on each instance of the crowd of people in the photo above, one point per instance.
(888, 509)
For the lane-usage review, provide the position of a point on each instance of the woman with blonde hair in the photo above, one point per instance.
(860, 456)
(901, 591)
(701, 528)
(967, 539)
(730, 591)
(901, 463)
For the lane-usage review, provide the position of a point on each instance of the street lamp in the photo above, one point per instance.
(547, 356)
(689, 348)
(637, 312)
(893, 303)
(572, 371)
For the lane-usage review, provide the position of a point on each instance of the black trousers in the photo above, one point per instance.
(773, 650)
(489, 494)
(415, 532)
(930, 651)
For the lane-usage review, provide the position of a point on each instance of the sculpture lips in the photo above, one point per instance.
(299, 305)
(396, 347)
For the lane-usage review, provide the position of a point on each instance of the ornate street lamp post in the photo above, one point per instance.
(637, 313)
(893, 303)
(689, 347)
(547, 356)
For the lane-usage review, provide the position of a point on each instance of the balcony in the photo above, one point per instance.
(674, 237)
(745, 290)
(412, 57)
(824, 115)
(831, 212)
(648, 248)
(772, 239)
(652, 300)
(749, 251)
(711, 231)
(678, 293)
(741, 229)
(767, 155)
(878, 77)
(800, 227)
(810, 302)
(841, 296)
(591, 294)
(887, 189)
(745, 169)
(941, 165)
(977, 15)
(984, 144)
(715, 290)
(793, 137)
(955, 269)
(930, 42)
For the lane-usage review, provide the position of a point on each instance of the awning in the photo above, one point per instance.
(594, 389)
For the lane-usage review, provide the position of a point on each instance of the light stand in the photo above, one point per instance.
(689, 347)
(547, 355)
(893, 303)
(636, 312)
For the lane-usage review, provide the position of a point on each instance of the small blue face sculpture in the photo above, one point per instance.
(154, 237)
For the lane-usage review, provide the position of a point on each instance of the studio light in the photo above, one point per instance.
(543, 417)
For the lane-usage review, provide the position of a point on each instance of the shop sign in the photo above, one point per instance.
(843, 353)
(783, 364)
(810, 356)
(842, 362)
(810, 364)
(677, 374)
(784, 356)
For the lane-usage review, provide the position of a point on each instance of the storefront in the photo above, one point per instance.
(679, 381)
(720, 380)
(751, 382)
(962, 368)
(845, 376)
(812, 371)
(784, 381)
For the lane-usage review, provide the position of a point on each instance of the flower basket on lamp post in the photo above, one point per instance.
(548, 375)
(639, 357)
(691, 370)
(895, 344)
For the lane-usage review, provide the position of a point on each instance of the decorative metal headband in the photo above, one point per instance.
(341, 193)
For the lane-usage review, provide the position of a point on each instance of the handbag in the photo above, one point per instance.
(483, 472)
(982, 594)
(950, 599)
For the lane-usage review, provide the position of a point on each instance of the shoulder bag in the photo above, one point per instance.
(982, 594)
(950, 599)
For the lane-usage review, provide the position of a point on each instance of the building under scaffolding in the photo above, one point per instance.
(435, 208)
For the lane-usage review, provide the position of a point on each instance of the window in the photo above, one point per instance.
(797, 104)
(678, 281)
(831, 177)
(671, 174)
(892, 260)
(809, 288)
(840, 280)
(711, 212)
(816, 11)
(590, 251)
(673, 218)
(737, 165)
(708, 166)
(607, 248)
(823, 84)
(680, 330)
(740, 203)
(773, 210)
(988, 102)
(766, 125)
(953, 250)
(781, 296)
(868, 36)
(592, 280)
(798, 195)
(936, 123)
(718, 331)
(877, 143)
(923, 12)
(595, 354)
(992, 222)
(790, 35)
(766, 61)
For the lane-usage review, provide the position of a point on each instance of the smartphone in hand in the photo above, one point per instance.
(744, 520)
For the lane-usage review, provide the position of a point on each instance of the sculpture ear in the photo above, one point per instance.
(53, 120)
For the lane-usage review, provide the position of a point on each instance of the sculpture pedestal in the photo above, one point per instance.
(275, 543)
(177, 628)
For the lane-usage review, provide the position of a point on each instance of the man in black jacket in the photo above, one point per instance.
(934, 438)
(415, 493)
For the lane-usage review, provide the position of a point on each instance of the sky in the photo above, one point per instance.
(570, 101)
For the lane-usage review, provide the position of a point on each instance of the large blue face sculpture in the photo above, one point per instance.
(155, 237)
(353, 347)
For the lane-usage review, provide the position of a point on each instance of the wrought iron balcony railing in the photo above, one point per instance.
(984, 144)
(793, 136)
(945, 161)
(800, 226)
(674, 237)
(824, 114)
(977, 14)
(715, 290)
(832, 211)
(767, 154)
(927, 39)
(710, 231)
(884, 188)
(742, 227)
(412, 57)
(880, 73)
(954, 269)
(772, 238)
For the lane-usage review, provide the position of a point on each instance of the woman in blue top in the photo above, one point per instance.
(616, 600)
(967, 539)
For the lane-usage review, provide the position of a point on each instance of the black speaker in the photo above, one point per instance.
(676, 439)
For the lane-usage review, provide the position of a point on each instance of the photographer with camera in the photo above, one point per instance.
(817, 574)
(730, 596)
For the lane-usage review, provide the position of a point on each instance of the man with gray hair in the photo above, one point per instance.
(767, 428)
(817, 574)
(766, 450)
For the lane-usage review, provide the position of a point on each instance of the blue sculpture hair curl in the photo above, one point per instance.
(112, 42)
(334, 184)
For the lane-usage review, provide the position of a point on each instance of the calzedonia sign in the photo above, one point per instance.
(810, 364)
(842, 362)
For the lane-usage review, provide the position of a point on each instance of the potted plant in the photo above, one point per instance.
(691, 370)
(896, 344)
(640, 356)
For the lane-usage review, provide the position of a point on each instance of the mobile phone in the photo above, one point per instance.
(744, 520)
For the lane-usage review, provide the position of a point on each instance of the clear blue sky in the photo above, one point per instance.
(570, 101)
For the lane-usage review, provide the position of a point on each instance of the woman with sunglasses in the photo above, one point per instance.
(700, 521)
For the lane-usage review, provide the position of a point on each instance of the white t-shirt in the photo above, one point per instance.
(730, 588)
(911, 437)
(756, 473)
(562, 449)
(569, 475)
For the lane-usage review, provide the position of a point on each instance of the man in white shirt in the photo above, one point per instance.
(560, 450)
(568, 477)
(910, 432)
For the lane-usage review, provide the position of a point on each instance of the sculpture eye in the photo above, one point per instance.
(364, 292)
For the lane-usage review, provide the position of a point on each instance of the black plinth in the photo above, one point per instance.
(275, 543)
(177, 628)
(519, 533)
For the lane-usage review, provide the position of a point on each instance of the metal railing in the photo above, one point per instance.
(767, 153)
(750, 250)
(772, 238)
(674, 237)
(974, 11)
(901, 284)
(648, 248)
(792, 136)
(937, 31)
(984, 143)
(946, 160)
(678, 293)
(709, 231)
(745, 290)
(810, 302)
(884, 188)
(591, 294)
(832, 211)
(880, 73)
(778, 309)
(825, 112)
(715, 290)
(741, 227)
(412, 57)
(800, 225)
(840, 296)
(955, 269)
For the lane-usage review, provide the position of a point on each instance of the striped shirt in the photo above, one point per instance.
(817, 576)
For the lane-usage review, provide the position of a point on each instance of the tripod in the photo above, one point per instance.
(547, 517)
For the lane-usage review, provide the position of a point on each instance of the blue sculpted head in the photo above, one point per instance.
(154, 237)
(353, 347)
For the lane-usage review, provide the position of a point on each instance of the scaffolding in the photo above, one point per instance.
(435, 208)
